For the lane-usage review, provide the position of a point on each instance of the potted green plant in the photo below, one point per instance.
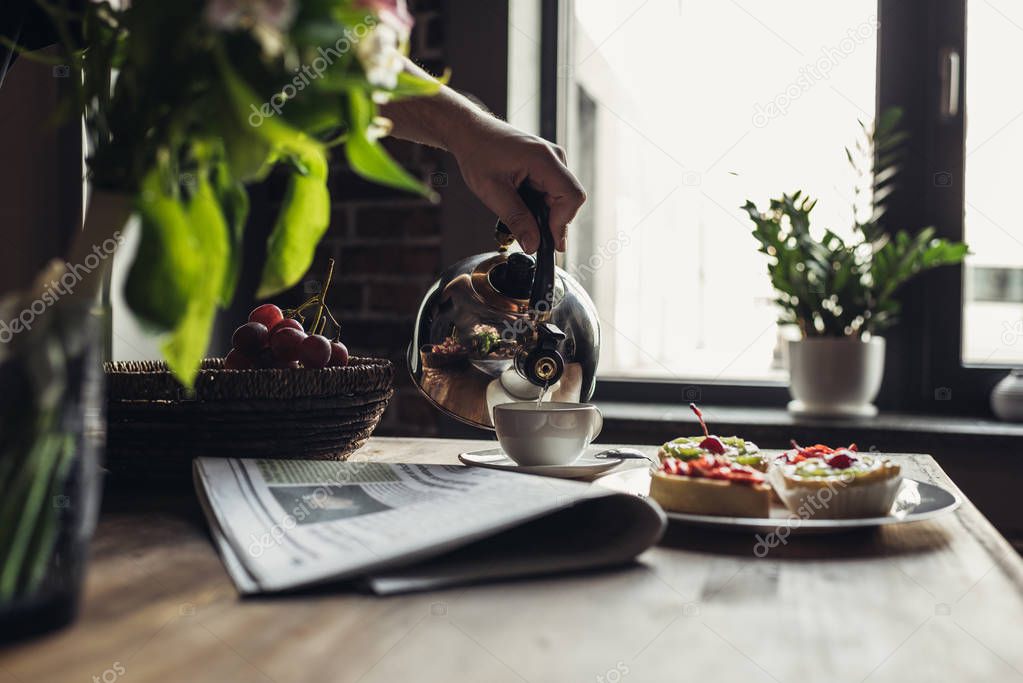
(184, 103)
(842, 293)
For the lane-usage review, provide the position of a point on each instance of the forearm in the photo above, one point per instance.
(494, 159)
(438, 120)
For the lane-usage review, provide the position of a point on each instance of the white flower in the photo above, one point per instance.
(380, 57)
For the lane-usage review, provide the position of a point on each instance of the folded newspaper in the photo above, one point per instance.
(281, 525)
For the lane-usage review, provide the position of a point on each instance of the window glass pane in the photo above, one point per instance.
(993, 291)
(680, 111)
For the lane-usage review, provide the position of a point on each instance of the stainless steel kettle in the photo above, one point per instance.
(503, 326)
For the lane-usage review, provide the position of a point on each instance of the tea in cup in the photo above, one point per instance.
(551, 433)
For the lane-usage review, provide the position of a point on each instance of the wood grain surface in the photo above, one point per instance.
(931, 601)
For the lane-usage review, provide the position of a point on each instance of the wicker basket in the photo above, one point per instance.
(155, 427)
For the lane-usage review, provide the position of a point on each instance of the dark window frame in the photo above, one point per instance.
(924, 369)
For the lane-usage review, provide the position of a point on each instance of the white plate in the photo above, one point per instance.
(495, 459)
(916, 501)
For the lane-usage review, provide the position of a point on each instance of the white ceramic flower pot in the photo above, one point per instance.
(835, 376)
(1007, 397)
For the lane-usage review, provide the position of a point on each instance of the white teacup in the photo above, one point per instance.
(546, 434)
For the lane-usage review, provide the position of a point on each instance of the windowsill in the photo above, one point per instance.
(773, 427)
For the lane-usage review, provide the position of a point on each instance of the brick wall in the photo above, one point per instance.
(387, 248)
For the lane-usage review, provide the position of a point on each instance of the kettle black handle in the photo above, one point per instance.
(543, 280)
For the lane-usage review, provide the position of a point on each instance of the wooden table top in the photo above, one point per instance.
(936, 600)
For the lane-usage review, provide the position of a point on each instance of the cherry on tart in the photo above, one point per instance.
(732, 447)
(709, 443)
(841, 461)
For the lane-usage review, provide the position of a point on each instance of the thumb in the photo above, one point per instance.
(504, 200)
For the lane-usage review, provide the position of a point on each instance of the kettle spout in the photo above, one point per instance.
(543, 364)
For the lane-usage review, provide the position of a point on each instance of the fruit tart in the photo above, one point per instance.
(733, 448)
(710, 485)
(828, 483)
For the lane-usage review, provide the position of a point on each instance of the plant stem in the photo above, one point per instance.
(34, 480)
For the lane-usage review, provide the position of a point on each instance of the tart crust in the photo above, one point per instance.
(700, 496)
(868, 494)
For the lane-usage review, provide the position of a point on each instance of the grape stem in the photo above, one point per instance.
(297, 312)
(323, 313)
(323, 298)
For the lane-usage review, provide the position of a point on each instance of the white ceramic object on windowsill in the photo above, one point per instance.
(1007, 397)
(835, 376)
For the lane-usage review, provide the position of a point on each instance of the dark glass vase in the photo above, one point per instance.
(56, 555)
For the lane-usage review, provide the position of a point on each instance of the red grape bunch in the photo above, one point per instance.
(273, 338)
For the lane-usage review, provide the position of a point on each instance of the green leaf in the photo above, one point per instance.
(249, 156)
(888, 120)
(168, 263)
(186, 345)
(272, 129)
(305, 211)
(945, 253)
(304, 217)
(368, 158)
(410, 85)
(234, 204)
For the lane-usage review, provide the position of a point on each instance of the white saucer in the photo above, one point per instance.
(584, 466)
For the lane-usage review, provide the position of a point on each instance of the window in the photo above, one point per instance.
(676, 114)
(993, 296)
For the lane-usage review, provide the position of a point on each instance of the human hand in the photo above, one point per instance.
(495, 158)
